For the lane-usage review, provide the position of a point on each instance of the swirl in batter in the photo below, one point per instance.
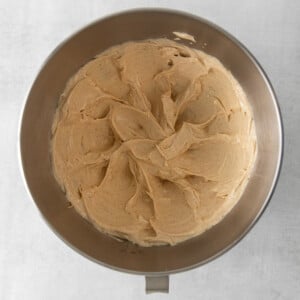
(153, 142)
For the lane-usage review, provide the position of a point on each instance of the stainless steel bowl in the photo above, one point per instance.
(154, 262)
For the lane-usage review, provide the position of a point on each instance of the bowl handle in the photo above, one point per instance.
(155, 284)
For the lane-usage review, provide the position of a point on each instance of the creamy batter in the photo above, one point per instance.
(153, 142)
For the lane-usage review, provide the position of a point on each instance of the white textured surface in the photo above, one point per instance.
(35, 264)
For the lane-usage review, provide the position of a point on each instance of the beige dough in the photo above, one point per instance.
(153, 142)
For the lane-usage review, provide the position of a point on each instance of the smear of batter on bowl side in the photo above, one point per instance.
(153, 142)
(184, 36)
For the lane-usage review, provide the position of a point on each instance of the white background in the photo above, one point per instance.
(35, 264)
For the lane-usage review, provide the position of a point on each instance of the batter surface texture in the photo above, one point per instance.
(153, 142)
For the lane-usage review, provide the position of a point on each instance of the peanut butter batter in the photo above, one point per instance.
(153, 142)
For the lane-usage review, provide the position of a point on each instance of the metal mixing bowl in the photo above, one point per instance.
(154, 262)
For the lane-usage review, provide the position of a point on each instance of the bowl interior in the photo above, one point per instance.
(37, 120)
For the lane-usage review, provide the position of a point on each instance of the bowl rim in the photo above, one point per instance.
(266, 81)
